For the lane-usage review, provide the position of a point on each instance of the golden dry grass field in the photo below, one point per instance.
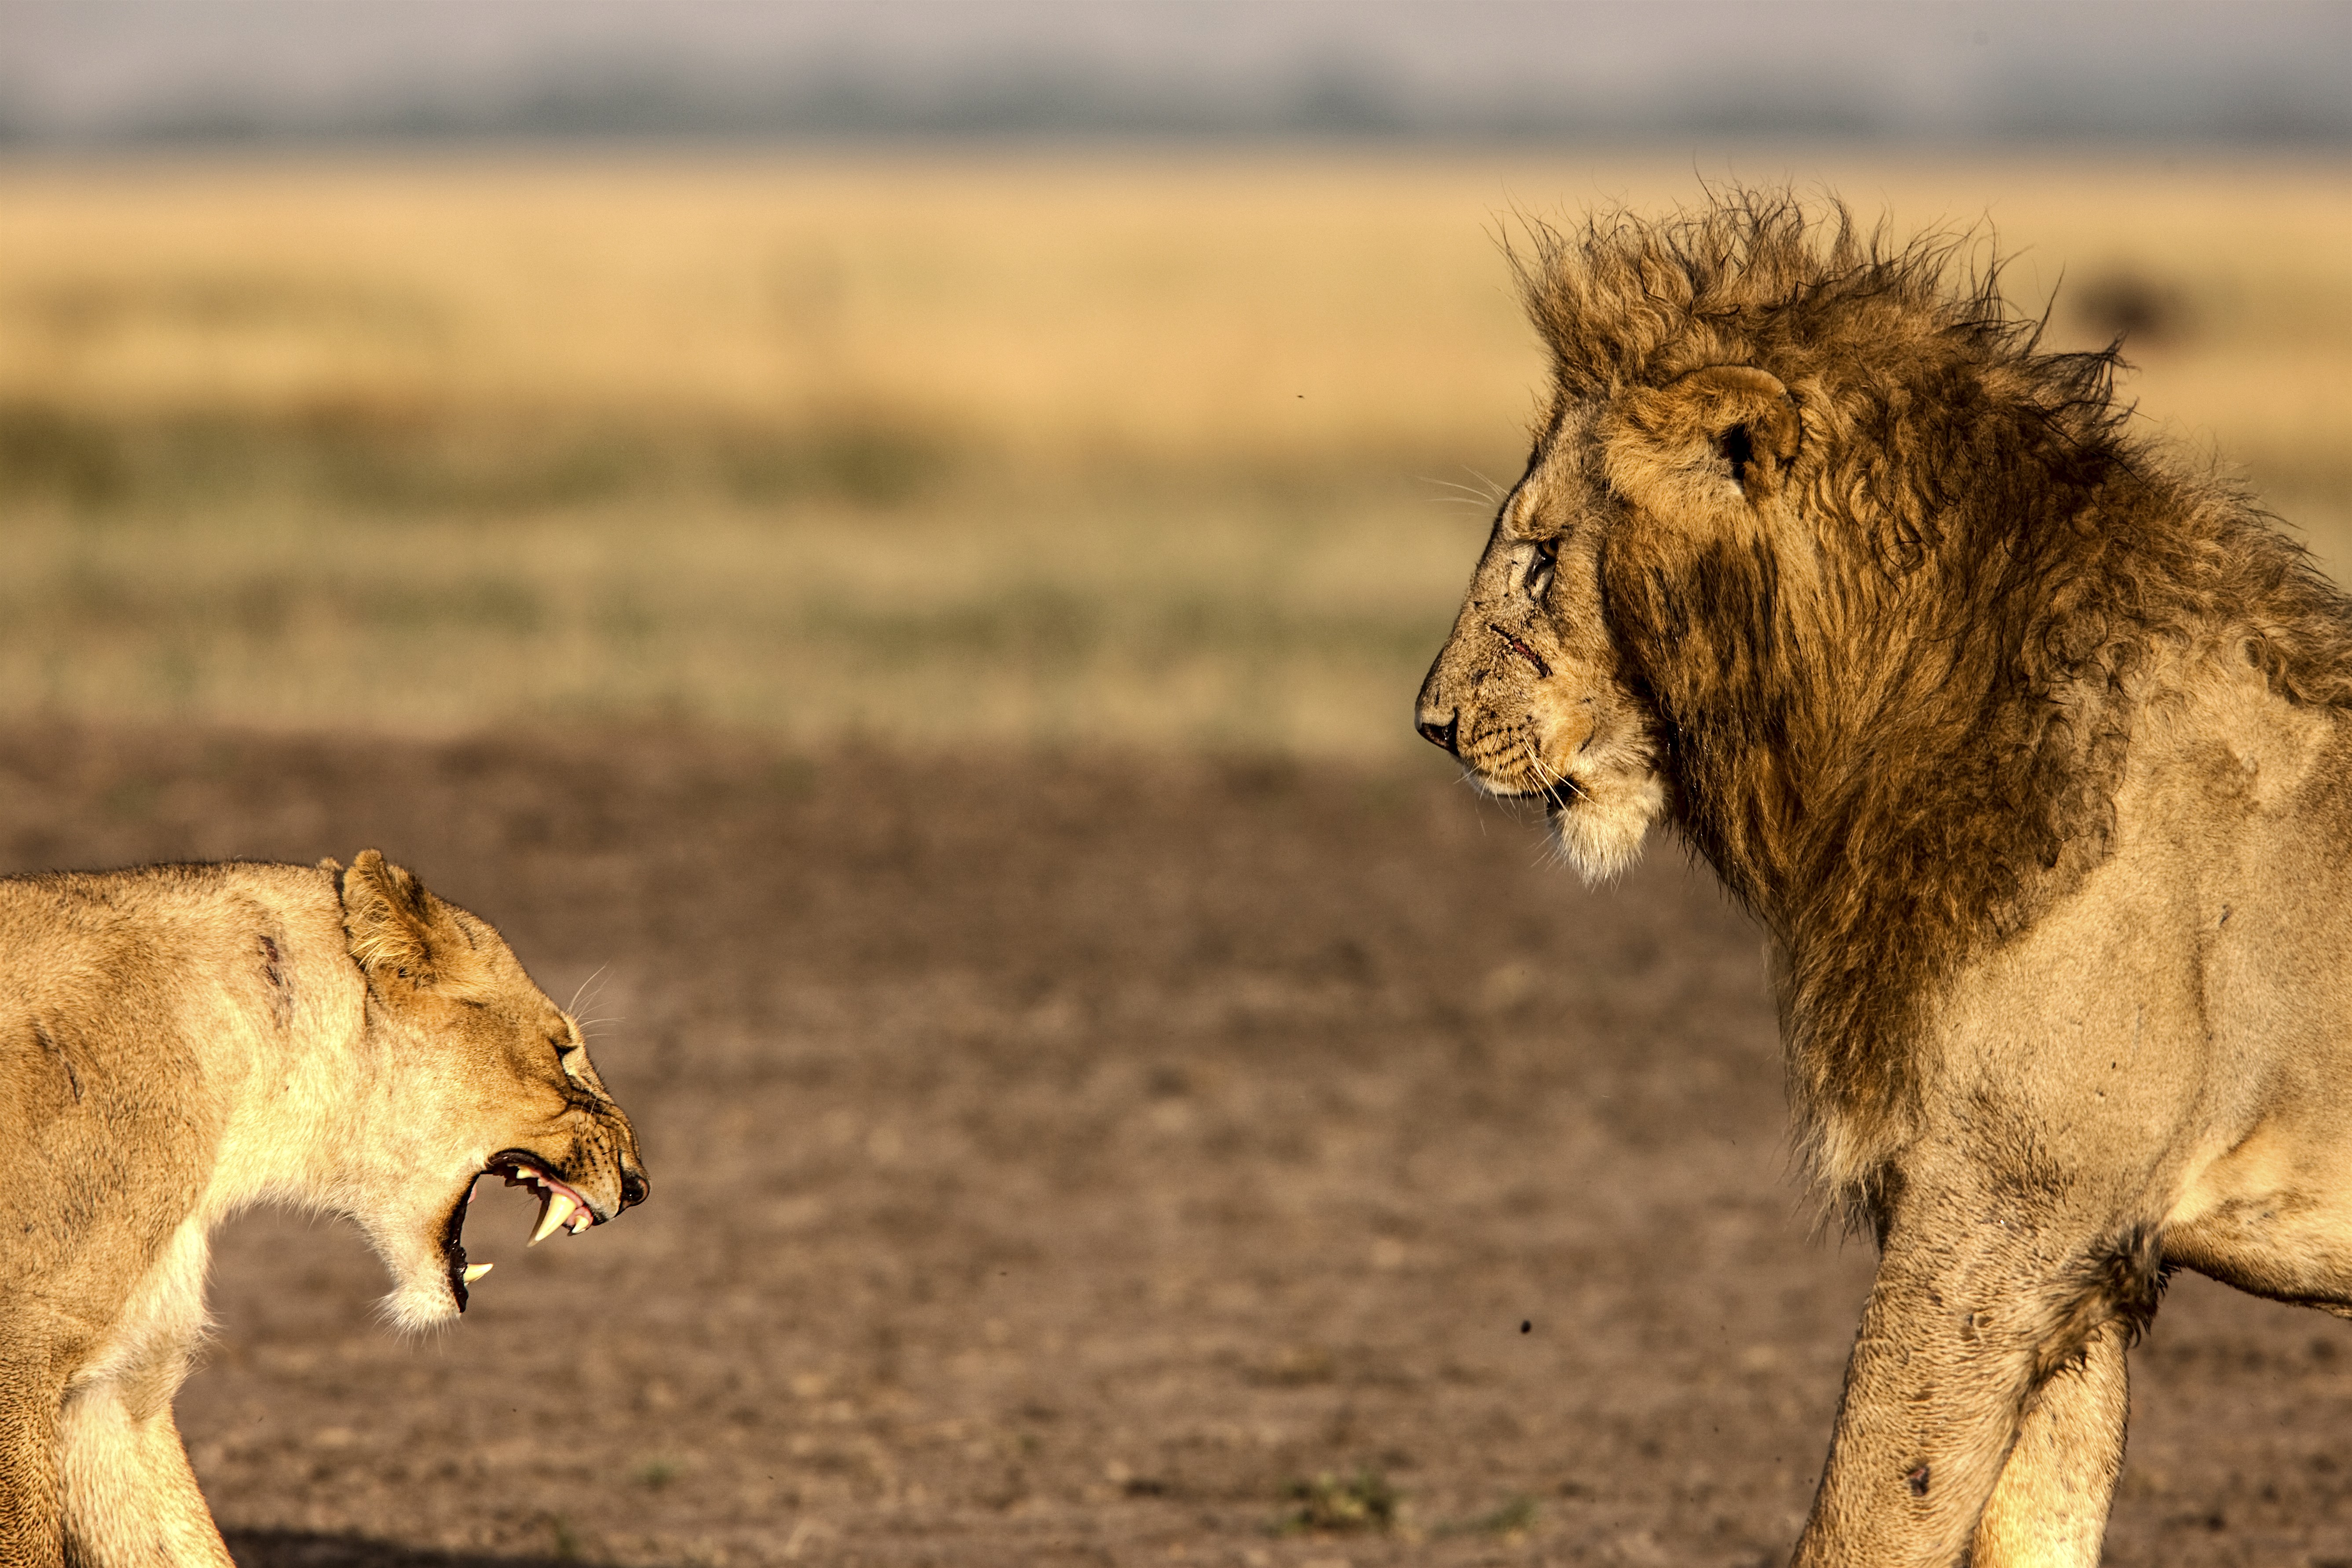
(1167, 450)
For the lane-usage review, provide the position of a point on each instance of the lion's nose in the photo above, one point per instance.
(1441, 735)
(633, 1186)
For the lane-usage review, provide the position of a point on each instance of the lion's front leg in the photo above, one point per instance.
(1925, 1427)
(1977, 1312)
(2049, 1509)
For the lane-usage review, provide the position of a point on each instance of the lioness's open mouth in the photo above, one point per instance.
(560, 1207)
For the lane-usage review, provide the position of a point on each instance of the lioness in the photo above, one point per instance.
(180, 1041)
(2028, 750)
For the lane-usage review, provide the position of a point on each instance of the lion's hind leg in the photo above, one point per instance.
(2049, 1509)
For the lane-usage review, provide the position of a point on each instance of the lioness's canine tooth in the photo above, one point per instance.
(582, 1221)
(559, 1209)
(475, 1270)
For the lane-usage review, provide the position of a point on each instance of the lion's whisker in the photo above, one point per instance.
(1484, 493)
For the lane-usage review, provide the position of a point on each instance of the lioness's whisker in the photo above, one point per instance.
(582, 989)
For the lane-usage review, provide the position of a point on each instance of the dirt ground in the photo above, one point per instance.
(1086, 1160)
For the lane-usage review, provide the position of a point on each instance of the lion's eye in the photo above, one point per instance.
(1539, 571)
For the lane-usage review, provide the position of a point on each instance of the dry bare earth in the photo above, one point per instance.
(1056, 1159)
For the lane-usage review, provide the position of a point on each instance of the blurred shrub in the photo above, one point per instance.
(2133, 307)
(1363, 1501)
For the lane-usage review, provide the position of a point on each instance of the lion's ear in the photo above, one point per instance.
(393, 924)
(1725, 422)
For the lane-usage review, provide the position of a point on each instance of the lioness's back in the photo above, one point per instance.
(54, 923)
(107, 981)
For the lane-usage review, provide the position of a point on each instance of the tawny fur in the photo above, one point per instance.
(2024, 743)
(180, 1042)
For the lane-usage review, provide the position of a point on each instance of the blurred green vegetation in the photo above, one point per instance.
(283, 582)
(1188, 452)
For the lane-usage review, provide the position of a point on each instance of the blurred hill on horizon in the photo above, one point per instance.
(1648, 72)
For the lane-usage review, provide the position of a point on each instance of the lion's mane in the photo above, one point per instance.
(1916, 762)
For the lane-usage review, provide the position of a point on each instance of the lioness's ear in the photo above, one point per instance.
(388, 919)
(1726, 421)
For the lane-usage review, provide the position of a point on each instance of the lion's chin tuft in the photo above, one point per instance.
(1600, 833)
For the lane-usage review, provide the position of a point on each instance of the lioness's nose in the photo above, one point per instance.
(633, 1186)
(1441, 735)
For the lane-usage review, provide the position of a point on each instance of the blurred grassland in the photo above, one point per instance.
(1152, 449)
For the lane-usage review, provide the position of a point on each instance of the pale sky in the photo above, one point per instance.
(1631, 69)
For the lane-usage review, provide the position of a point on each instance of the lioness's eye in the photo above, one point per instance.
(1539, 572)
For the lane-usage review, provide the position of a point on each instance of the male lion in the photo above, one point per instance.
(180, 1041)
(2027, 748)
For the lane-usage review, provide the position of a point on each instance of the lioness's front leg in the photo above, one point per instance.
(1977, 1310)
(31, 1532)
(2049, 1509)
(130, 1500)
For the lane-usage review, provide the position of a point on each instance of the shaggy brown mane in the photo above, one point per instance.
(1905, 755)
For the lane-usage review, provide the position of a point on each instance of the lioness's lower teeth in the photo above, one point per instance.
(558, 1210)
(475, 1270)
